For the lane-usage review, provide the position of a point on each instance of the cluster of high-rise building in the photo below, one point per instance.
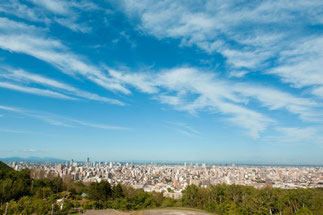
(172, 179)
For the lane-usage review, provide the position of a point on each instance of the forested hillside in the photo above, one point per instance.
(238, 199)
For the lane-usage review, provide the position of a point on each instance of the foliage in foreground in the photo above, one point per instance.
(237, 199)
(30, 196)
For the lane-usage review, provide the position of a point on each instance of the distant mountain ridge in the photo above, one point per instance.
(32, 159)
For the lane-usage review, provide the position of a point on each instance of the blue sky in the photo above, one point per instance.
(221, 81)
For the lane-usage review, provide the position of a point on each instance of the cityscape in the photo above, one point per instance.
(172, 179)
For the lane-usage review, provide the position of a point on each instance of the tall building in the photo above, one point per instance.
(59, 167)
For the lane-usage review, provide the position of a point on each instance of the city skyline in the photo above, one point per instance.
(162, 80)
(56, 160)
(168, 178)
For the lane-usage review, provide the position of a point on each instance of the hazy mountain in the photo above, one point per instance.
(32, 159)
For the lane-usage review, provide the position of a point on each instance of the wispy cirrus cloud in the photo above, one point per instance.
(65, 7)
(70, 23)
(299, 135)
(101, 126)
(7, 108)
(22, 77)
(34, 43)
(301, 64)
(249, 35)
(57, 6)
(64, 13)
(193, 90)
(14, 7)
(141, 81)
(50, 119)
(318, 91)
(256, 36)
(186, 89)
(57, 120)
(182, 128)
(36, 91)
(5, 130)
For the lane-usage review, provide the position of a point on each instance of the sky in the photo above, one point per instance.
(219, 81)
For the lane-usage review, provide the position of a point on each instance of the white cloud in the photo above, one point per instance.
(171, 100)
(31, 150)
(302, 64)
(23, 76)
(71, 24)
(8, 26)
(275, 99)
(251, 36)
(318, 91)
(301, 135)
(14, 7)
(58, 120)
(188, 89)
(56, 54)
(128, 39)
(7, 108)
(247, 34)
(181, 84)
(36, 91)
(182, 128)
(237, 74)
(65, 13)
(55, 6)
(101, 126)
(193, 90)
(62, 7)
(141, 81)
(13, 131)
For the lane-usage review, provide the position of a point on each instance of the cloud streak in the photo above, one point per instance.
(22, 77)
(255, 37)
(193, 90)
(57, 120)
(35, 91)
(30, 40)
(182, 128)
(299, 135)
(65, 13)
(249, 35)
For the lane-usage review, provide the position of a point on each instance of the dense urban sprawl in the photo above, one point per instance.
(171, 180)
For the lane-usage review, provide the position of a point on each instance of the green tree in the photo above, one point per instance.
(117, 191)
(100, 191)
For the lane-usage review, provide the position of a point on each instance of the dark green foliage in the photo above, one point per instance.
(56, 184)
(4, 170)
(77, 188)
(236, 199)
(100, 191)
(14, 184)
(117, 191)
